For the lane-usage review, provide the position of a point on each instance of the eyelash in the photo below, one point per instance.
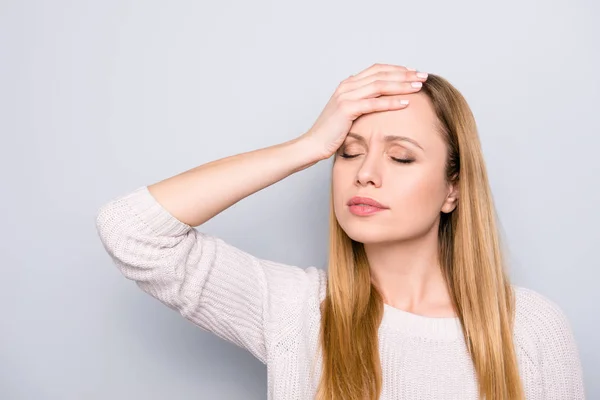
(399, 160)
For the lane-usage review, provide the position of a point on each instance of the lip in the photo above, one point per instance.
(364, 206)
(367, 201)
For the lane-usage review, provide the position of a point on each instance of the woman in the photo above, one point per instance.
(415, 303)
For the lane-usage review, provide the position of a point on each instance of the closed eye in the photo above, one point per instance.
(399, 160)
(344, 155)
(402, 160)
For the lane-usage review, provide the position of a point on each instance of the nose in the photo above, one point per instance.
(369, 172)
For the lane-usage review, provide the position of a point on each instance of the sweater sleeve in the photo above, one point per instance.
(215, 285)
(558, 355)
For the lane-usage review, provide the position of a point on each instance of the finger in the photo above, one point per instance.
(382, 88)
(400, 76)
(378, 68)
(377, 104)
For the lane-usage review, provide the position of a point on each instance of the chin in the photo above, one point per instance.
(361, 232)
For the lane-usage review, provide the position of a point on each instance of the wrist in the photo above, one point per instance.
(305, 152)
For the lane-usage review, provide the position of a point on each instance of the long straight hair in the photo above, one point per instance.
(471, 257)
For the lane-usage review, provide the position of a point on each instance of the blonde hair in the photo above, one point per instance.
(471, 256)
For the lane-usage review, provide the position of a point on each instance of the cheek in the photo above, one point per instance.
(341, 179)
(338, 194)
(418, 197)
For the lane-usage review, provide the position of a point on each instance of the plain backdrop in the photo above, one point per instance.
(100, 97)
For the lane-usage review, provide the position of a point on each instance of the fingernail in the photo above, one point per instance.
(422, 75)
(416, 84)
(404, 102)
(410, 69)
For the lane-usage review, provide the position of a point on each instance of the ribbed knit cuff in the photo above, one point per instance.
(153, 214)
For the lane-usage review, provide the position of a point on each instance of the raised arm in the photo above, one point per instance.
(150, 236)
(197, 195)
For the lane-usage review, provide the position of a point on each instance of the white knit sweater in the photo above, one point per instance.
(272, 310)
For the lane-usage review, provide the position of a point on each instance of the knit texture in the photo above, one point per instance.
(271, 309)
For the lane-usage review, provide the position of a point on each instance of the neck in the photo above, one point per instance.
(409, 277)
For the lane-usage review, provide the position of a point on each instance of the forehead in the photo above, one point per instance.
(417, 121)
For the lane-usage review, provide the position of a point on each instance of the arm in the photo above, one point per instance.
(197, 195)
(149, 235)
(149, 232)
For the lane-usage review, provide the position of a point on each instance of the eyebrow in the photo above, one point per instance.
(387, 138)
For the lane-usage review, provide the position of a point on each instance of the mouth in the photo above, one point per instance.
(363, 206)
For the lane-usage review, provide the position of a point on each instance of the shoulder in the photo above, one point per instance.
(541, 328)
(538, 316)
(546, 346)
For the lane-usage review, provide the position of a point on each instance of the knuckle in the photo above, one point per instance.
(396, 75)
(378, 85)
(389, 102)
(374, 66)
(385, 74)
(340, 95)
(341, 87)
(340, 98)
(370, 103)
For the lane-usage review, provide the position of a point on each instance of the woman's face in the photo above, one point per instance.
(412, 190)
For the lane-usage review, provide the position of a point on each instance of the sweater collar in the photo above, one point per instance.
(414, 325)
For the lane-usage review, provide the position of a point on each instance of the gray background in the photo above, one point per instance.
(98, 98)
